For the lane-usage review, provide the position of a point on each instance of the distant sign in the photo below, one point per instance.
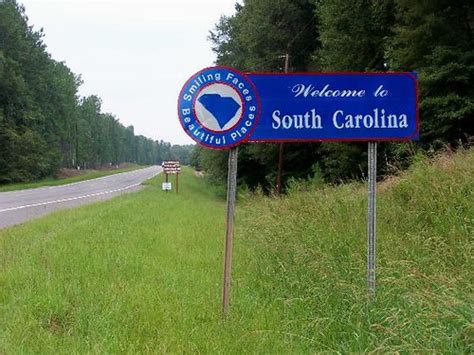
(170, 163)
(173, 171)
(220, 107)
(166, 186)
(171, 166)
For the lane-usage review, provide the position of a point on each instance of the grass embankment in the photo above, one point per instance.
(81, 176)
(142, 272)
(309, 251)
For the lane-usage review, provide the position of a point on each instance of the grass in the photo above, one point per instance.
(88, 175)
(309, 252)
(142, 272)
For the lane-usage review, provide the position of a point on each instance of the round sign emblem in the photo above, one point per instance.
(218, 107)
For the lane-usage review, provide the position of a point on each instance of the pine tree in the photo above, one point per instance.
(436, 39)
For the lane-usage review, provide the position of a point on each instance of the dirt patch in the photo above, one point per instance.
(388, 183)
(446, 161)
(67, 173)
(56, 323)
(115, 167)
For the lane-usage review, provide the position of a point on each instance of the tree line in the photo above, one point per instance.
(434, 38)
(45, 125)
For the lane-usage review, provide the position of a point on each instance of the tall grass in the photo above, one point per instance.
(308, 252)
(142, 272)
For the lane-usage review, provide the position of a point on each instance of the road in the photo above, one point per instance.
(22, 205)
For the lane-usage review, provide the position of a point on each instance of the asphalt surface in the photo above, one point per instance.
(22, 205)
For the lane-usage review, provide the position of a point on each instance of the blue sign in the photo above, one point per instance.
(336, 107)
(220, 108)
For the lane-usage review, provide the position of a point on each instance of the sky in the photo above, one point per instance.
(135, 55)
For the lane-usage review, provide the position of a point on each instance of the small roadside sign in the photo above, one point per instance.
(166, 186)
(171, 167)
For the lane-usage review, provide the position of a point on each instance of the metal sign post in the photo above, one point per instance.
(280, 150)
(229, 235)
(371, 220)
(177, 182)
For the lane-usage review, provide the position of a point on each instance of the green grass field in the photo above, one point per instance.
(88, 175)
(142, 272)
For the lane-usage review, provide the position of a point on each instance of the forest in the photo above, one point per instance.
(433, 38)
(45, 125)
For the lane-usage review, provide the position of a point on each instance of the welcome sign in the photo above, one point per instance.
(220, 107)
(336, 107)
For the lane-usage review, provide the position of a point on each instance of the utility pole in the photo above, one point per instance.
(280, 153)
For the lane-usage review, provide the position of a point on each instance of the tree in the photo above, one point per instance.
(436, 39)
(352, 34)
(44, 125)
(254, 39)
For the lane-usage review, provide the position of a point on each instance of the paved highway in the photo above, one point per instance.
(20, 206)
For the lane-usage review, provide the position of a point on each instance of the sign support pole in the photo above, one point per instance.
(371, 221)
(177, 184)
(280, 148)
(229, 235)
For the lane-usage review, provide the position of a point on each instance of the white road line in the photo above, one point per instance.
(69, 199)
